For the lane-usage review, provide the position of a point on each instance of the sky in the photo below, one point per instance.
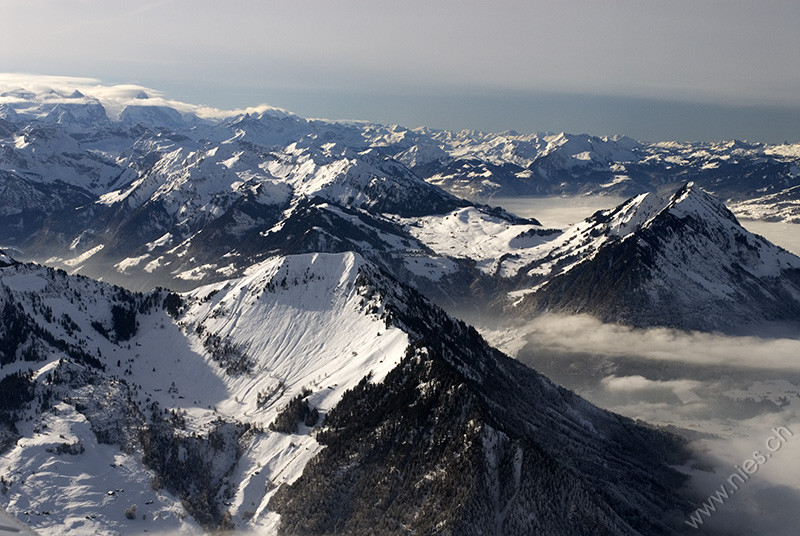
(683, 69)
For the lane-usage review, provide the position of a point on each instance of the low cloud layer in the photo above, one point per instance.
(727, 394)
(683, 389)
(578, 334)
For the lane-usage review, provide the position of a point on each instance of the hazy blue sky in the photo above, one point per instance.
(688, 69)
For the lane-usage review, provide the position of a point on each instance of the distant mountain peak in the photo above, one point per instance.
(682, 260)
(691, 199)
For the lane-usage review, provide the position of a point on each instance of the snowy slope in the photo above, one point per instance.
(58, 474)
(524, 250)
(11, 525)
(181, 405)
(293, 323)
(783, 206)
(497, 245)
(304, 323)
(49, 154)
(680, 261)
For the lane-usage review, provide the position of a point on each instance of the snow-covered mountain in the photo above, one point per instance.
(313, 395)
(299, 382)
(468, 163)
(566, 164)
(153, 192)
(144, 201)
(681, 260)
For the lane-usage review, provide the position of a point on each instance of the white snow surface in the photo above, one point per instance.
(472, 234)
(302, 322)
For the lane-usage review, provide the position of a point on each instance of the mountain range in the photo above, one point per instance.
(144, 194)
(302, 374)
(316, 388)
(680, 260)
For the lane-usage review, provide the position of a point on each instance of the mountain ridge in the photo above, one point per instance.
(180, 205)
(468, 163)
(690, 265)
(235, 365)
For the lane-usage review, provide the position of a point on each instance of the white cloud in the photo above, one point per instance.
(114, 98)
(732, 392)
(577, 334)
(683, 389)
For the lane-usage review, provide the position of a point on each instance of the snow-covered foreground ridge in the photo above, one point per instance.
(237, 352)
(128, 412)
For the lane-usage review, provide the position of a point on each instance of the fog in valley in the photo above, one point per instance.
(786, 235)
(555, 212)
(727, 394)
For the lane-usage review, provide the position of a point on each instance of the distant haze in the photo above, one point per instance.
(645, 119)
(717, 69)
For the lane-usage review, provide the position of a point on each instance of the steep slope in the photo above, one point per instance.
(683, 262)
(49, 153)
(94, 376)
(25, 206)
(68, 421)
(217, 401)
(460, 439)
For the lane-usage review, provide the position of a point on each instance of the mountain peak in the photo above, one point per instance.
(643, 210)
(157, 116)
(692, 200)
(657, 258)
